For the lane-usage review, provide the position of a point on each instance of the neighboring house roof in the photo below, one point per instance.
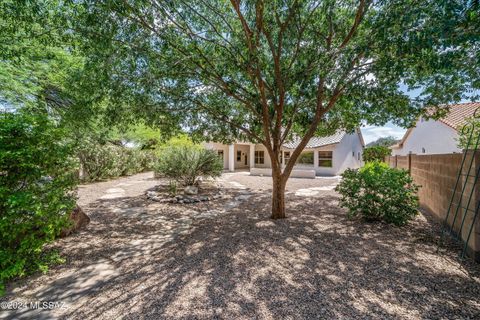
(456, 117)
(459, 114)
(316, 142)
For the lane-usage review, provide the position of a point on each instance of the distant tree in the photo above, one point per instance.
(266, 71)
(383, 141)
(376, 153)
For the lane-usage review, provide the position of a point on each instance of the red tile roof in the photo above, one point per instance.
(459, 114)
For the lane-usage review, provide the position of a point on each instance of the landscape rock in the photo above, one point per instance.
(78, 220)
(191, 190)
(151, 194)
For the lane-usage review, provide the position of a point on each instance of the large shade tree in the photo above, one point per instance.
(276, 70)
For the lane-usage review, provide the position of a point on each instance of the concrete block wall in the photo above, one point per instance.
(437, 174)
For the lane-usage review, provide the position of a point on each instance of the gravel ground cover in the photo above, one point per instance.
(140, 259)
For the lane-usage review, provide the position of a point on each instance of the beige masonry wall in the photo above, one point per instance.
(437, 174)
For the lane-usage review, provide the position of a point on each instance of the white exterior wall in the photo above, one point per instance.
(268, 162)
(217, 147)
(345, 155)
(244, 153)
(434, 136)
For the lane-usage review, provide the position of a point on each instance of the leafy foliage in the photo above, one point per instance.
(376, 153)
(37, 177)
(186, 164)
(102, 161)
(378, 192)
(469, 134)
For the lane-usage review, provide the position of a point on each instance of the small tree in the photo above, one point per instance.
(186, 164)
(378, 192)
(376, 153)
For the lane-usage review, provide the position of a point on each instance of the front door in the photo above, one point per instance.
(245, 159)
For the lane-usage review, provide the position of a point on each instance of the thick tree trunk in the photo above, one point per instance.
(278, 195)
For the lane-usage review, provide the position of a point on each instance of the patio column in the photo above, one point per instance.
(315, 158)
(252, 156)
(231, 157)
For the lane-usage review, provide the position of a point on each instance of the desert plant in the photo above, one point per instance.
(172, 187)
(186, 164)
(378, 192)
(103, 161)
(37, 177)
(376, 153)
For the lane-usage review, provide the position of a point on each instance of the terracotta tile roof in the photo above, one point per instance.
(316, 142)
(459, 113)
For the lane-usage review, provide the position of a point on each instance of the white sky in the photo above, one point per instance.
(372, 133)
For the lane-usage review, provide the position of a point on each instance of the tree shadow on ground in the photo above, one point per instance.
(314, 264)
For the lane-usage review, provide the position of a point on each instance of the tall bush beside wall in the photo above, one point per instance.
(37, 178)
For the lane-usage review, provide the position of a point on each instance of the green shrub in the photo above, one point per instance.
(377, 192)
(186, 164)
(376, 153)
(105, 161)
(37, 178)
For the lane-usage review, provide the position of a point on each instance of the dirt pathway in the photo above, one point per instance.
(125, 229)
(119, 188)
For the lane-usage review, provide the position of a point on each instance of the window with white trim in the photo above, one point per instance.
(287, 156)
(325, 159)
(259, 157)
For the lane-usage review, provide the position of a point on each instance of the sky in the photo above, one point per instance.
(372, 133)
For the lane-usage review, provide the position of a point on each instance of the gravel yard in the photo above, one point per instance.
(225, 258)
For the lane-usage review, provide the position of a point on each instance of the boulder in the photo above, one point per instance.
(190, 190)
(78, 220)
(151, 194)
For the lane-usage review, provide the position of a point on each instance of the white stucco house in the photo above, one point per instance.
(327, 156)
(436, 136)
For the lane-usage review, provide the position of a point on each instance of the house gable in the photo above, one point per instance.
(428, 137)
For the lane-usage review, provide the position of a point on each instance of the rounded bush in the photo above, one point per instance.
(186, 164)
(378, 192)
